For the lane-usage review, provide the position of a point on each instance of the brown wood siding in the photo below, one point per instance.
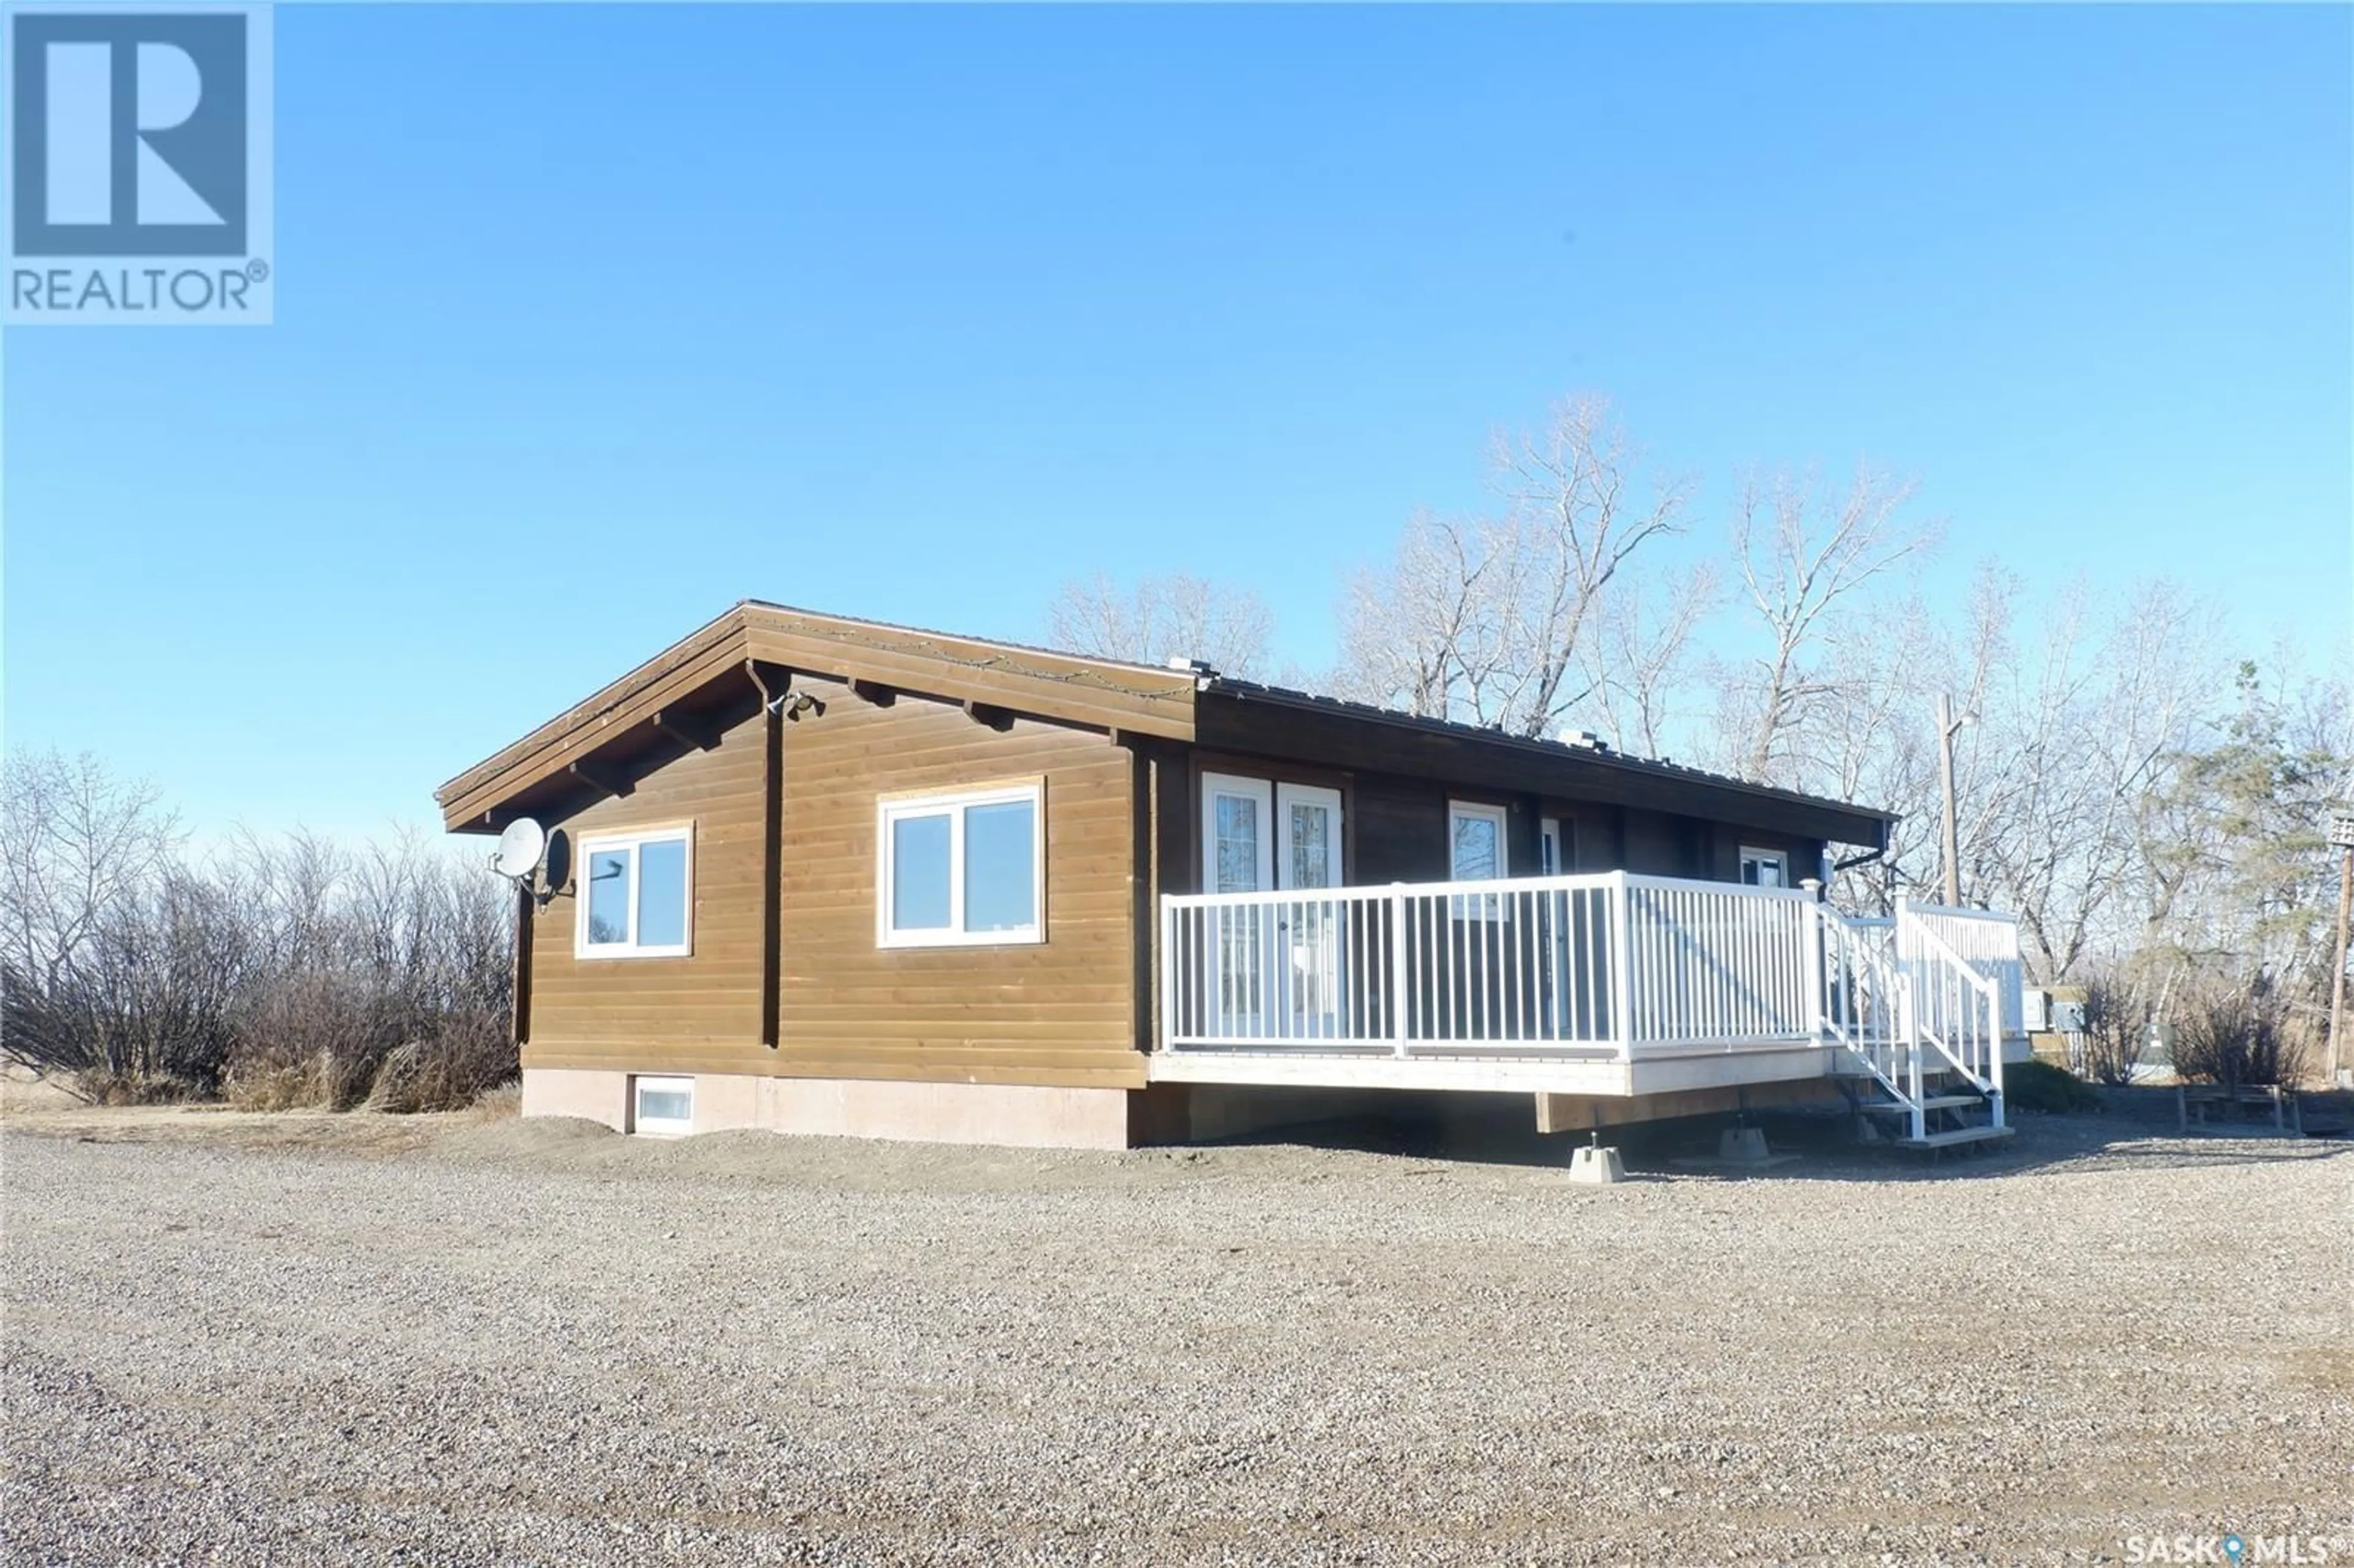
(1658, 844)
(1400, 832)
(698, 1014)
(1061, 1012)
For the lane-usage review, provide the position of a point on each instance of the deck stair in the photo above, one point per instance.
(1947, 1119)
(1922, 1020)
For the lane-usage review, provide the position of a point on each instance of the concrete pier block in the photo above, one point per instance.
(1743, 1146)
(1596, 1166)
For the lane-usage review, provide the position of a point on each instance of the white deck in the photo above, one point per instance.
(1555, 1075)
(1609, 985)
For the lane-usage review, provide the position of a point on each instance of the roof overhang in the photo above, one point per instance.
(1236, 715)
(716, 675)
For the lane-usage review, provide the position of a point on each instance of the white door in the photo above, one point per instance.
(1238, 856)
(1309, 982)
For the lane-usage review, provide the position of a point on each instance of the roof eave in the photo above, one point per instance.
(1557, 752)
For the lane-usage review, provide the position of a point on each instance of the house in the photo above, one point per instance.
(819, 874)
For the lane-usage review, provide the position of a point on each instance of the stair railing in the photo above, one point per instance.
(1953, 1008)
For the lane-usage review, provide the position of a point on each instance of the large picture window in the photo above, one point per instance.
(636, 893)
(961, 870)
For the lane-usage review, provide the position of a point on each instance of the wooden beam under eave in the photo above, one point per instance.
(687, 731)
(873, 693)
(598, 778)
(989, 714)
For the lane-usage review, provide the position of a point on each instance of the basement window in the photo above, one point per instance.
(960, 870)
(664, 1107)
(636, 894)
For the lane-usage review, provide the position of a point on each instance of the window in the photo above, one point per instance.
(961, 869)
(1764, 868)
(663, 1105)
(1475, 836)
(1475, 849)
(635, 894)
(1555, 845)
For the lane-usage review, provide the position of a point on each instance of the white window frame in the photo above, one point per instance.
(661, 1126)
(1552, 857)
(633, 840)
(1750, 852)
(1485, 907)
(953, 804)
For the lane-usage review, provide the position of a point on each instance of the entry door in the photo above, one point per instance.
(1238, 856)
(1312, 985)
(1277, 969)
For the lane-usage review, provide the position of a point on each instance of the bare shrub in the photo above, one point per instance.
(279, 973)
(502, 1104)
(2118, 1019)
(2239, 1034)
(141, 1009)
(450, 1071)
(310, 1038)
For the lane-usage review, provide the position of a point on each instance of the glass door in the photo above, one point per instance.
(1238, 856)
(1311, 934)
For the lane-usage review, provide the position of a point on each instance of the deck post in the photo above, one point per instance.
(1818, 998)
(1401, 970)
(1622, 1019)
(1994, 1064)
(1168, 963)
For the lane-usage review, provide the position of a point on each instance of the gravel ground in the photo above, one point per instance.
(255, 1341)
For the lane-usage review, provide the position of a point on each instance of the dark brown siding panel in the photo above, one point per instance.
(1400, 831)
(1657, 844)
(1061, 1012)
(698, 1014)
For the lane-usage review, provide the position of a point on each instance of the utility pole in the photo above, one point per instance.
(2341, 834)
(1947, 728)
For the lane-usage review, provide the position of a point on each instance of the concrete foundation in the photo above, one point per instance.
(1010, 1115)
(598, 1097)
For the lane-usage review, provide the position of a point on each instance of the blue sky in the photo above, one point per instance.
(592, 321)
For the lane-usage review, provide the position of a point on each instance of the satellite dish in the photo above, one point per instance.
(556, 866)
(520, 849)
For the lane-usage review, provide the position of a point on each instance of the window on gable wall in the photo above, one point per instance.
(635, 894)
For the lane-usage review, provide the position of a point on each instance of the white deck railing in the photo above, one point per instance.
(1987, 943)
(1607, 965)
(1611, 966)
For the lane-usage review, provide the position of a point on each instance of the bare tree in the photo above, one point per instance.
(1490, 621)
(1638, 664)
(1163, 617)
(2077, 729)
(1803, 553)
(1426, 632)
(76, 845)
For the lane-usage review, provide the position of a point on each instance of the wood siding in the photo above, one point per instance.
(1395, 831)
(1061, 1012)
(698, 1014)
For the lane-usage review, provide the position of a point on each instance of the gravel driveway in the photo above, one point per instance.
(543, 1343)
